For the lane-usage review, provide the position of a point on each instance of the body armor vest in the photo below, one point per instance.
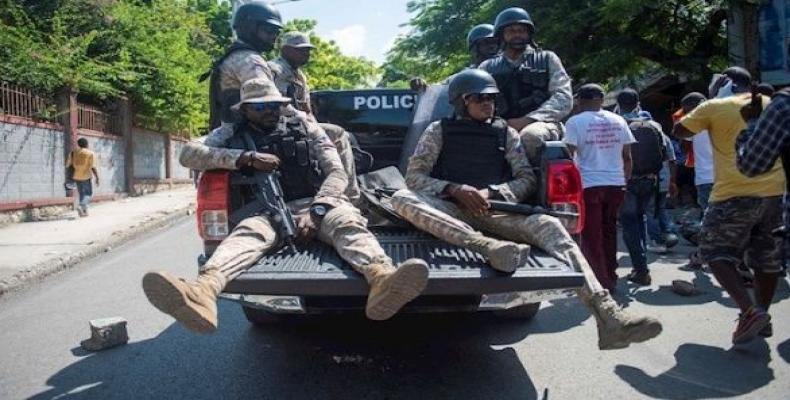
(300, 175)
(473, 153)
(220, 103)
(523, 87)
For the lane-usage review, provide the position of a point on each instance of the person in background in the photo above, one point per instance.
(84, 163)
(601, 143)
(742, 211)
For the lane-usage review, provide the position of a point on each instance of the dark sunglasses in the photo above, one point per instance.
(264, 106)
(481, 97)
(271, 29)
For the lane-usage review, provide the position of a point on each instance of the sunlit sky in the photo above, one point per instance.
(364, 28)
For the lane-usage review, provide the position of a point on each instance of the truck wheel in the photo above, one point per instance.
(260, 317)
(523, 313)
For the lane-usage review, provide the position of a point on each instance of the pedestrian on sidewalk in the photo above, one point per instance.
(651, 150)
(742, 212)
(601, 143)
(82, 163)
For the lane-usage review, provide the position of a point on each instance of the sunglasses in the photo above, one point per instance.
(481, 97)
(264, 106)
(271, 29)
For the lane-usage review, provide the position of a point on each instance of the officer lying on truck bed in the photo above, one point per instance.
(462, 163)
(314, 183)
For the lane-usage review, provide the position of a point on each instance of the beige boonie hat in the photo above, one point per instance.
(298, 40)
(259, 90)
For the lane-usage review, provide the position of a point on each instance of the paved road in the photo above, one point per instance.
(457, 357)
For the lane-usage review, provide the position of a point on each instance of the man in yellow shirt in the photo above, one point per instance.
(83, 161)
(742, 211)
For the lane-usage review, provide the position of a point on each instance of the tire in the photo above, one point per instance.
(260, 317)
(522, 313)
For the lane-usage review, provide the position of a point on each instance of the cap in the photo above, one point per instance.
(628, 96)
(259, 90)
(298, 40)
(590, 91)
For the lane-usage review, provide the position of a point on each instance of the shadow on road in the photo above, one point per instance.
(784, 350)
(412, 356)
(705, 372)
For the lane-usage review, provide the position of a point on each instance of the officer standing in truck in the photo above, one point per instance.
(266, 140)
(292, 82)
(536, 90)
(257, 26)
(460, 164)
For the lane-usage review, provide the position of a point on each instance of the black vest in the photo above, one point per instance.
(523, 88)
(473, 153)
(220, 103)
(300, 175)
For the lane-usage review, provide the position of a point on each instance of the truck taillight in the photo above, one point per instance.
(565, 193)
(212, 205)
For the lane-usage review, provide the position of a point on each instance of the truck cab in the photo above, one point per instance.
(314, 280)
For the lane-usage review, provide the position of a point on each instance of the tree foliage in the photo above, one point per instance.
(596, 39)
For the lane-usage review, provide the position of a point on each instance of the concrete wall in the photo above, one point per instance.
(179, 171)
(31, 162)
(149, 154)
(110, 162)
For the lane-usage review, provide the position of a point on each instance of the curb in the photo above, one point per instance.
(38, 272)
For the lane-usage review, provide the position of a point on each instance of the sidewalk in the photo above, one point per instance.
(33, 250)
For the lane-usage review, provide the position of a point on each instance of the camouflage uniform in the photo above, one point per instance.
(243, 65)
(292, 83)
(548, 116)
(343, 226)
(421, 206)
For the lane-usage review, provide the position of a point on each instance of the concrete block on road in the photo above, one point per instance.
(106, 333)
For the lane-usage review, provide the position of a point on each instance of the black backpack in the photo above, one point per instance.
(648, 152)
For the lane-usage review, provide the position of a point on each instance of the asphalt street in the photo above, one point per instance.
(411, 357)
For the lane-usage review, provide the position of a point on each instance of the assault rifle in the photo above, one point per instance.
(526, 209)
(270, 202)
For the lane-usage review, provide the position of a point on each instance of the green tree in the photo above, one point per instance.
(597, 39)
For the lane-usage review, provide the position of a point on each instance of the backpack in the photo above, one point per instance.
(648, 152)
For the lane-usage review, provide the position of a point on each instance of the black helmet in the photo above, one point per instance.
(257, 11)
(510, 16)
(471, 81)
(479, 32)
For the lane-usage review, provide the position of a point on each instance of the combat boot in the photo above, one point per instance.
(502, 255)
(193, 304)
(617, 329)
(391, 288)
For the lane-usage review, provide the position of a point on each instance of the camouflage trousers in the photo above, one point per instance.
(448, 222)
(343, 227)
(534, 135)
(340, 138)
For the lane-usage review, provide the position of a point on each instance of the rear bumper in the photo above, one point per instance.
(428, 304)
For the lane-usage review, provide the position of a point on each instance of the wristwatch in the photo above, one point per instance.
(318, 211)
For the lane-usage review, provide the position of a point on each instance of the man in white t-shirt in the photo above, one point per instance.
(703, 153)
(601, 143)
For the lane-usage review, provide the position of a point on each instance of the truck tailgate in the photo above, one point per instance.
(317, 270)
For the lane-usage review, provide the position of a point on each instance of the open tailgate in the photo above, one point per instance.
(317, 270)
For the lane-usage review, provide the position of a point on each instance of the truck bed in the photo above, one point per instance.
(317, 270)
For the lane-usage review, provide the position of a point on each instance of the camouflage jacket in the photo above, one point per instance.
(418, 173)
(213, 154)
(560, 102)
(292, 83)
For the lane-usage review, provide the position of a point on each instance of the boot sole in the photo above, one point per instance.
(163, 294)
(407, 283)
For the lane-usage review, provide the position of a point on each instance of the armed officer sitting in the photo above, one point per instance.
(463, 162)
(536, 90)
(313, 182)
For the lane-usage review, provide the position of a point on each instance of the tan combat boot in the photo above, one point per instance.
(502, 255)
(391, 288)
(193, 304)
(617, 329)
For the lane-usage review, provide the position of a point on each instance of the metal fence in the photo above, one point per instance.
(21, 102)
(93, 118)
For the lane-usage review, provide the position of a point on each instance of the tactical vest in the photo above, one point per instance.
(300, 174)
(523, 88)
(220, 103)
(473, 153)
